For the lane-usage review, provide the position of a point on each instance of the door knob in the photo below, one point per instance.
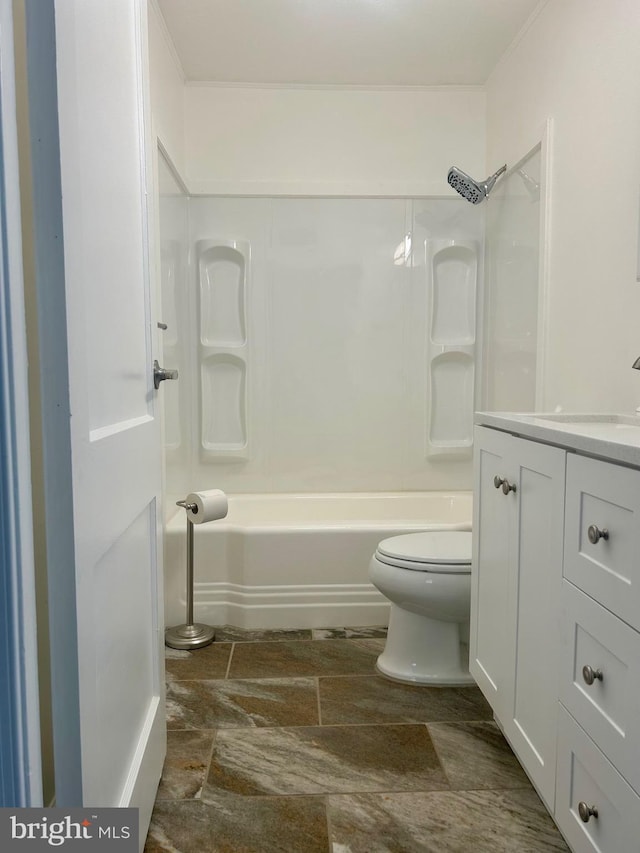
(498, 481)
(162, 373)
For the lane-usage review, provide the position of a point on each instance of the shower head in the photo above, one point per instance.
(473, 191)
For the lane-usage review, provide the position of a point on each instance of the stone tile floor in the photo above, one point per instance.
(289, 741)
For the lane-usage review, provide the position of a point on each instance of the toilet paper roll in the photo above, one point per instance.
(208, 506)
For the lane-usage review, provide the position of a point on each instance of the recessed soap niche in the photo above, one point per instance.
(451, 403)
(223, 281)
(224, 426)
(452, 276)
(223, 271)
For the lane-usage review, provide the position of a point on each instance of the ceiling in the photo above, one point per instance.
(343, 42)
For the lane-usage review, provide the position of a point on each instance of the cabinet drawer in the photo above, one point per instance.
(608, 707)
(604, 499)
(586, 776)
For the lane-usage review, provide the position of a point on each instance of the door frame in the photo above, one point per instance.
(55, 401)
(20, 755)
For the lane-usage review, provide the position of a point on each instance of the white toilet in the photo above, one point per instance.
(427, 579)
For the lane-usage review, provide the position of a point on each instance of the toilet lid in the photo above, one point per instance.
(441, 551)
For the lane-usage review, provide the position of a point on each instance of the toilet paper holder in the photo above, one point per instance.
(191, 635)
(185, 505)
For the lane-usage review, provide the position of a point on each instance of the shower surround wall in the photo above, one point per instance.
(327, 347)
(320, 326)
(173, 266)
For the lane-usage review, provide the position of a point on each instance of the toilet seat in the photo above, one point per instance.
(445, 551)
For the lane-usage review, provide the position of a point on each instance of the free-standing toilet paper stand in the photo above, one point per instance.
(191, 635)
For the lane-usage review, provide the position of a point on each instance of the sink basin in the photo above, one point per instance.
(595, 419)
(608, 427)
(609, 436)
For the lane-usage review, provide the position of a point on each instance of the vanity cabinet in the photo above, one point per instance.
(599, 733)
(555, 623)
(515, 593)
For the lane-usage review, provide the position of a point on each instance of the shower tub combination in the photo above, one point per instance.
(298, 560)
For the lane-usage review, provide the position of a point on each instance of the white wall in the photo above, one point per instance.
(174, 249)
(336, 361)
(167, 90)
(331, 141)
(579, 63)
(512, 346)
(269, 142)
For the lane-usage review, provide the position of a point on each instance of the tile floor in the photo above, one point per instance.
(289, 741)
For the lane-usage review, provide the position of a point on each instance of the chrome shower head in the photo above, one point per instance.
(473, 191)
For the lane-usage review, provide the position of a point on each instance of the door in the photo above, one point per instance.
(115, 429)
(535, 585)
(492, 510)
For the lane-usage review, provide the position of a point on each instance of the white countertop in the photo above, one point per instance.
(609, 436)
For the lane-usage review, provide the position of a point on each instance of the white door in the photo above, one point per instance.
(115, 431)
(535, 585)
(492, 511)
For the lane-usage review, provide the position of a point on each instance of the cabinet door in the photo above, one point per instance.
(535, 584)
(490, 657)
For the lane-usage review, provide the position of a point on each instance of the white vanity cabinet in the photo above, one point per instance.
(555, 617)
(599, 734)
(515, 593)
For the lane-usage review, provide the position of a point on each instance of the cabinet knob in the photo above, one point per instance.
(595, 534)
(498, 481)
(590, 675)
(586, 812)
(508, 487)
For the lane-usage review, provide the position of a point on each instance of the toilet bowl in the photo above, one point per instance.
(427, 579)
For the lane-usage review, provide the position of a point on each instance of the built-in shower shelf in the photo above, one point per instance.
(452, 383)
(224, 427)
(223, 279)
(452, 275)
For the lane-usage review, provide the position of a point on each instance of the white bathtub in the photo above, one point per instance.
(298, 561)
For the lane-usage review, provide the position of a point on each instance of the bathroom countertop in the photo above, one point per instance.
(615, 437)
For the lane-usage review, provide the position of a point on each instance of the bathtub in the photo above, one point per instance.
(297, 561)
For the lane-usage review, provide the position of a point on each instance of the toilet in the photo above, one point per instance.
(427, 579)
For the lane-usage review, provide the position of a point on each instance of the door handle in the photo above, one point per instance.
(162, 373)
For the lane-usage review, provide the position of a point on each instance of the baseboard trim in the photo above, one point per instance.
(290, 606)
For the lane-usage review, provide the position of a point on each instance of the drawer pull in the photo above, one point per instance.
(498, 481)
(586, 812)
(595, 534)
(590, 675)
(508, 487)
